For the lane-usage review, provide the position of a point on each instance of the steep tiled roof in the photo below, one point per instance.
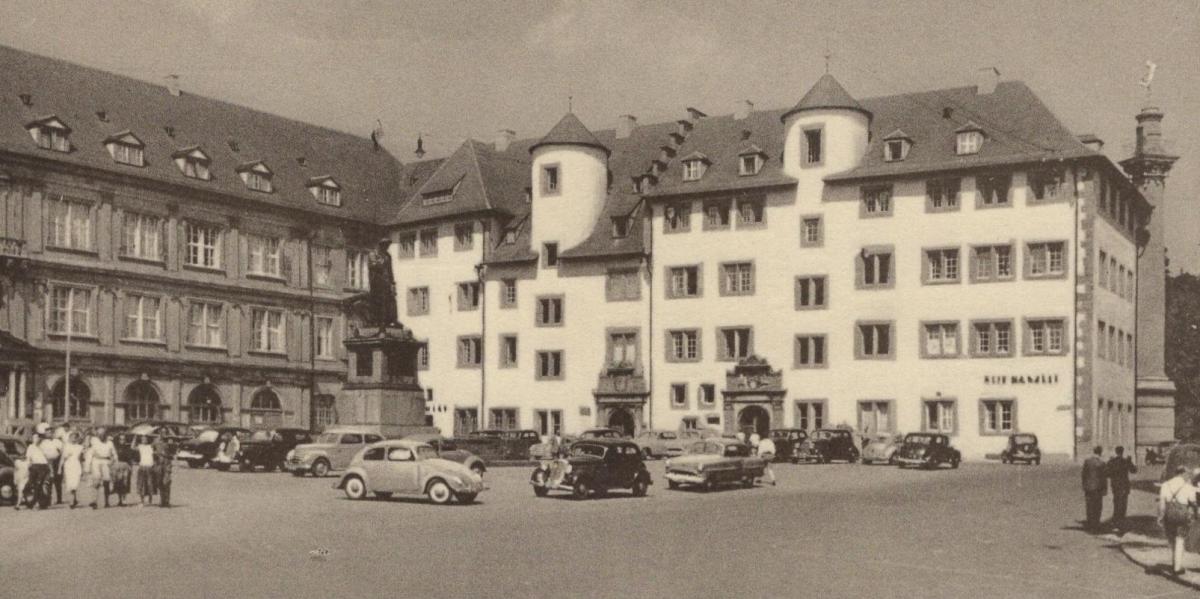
(570, 132)
(369, 176)
(826, 93)
(476, 178)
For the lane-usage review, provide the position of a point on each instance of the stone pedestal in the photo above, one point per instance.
(1155, 411)
(381, 389)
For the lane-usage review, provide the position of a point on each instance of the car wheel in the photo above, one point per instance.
(581, 490)
(708, 485)
(539, 487)
(355, 488)
(1037, 461)
(892, 461)
(320, 468)
(466, 498)
(954, 462)
(439, 492)
(672, 484)
(748, 482)
(640, 487)
(8, 493)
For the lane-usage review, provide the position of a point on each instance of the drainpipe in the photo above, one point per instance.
(1075, 320)
(480, 274)
(312, 330)
(650, 325)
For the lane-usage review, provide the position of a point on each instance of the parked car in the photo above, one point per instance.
(659, 443)
(787, 443)
(826, 445)
(1158, 453)
(201, 450)
(11, 448)
(602, 433)
(408, 467)
(1022, 447)
(494, 445)
(448, 449)
(1182, 454)
(882, 448)
(268, 448)
(174, 433)
(594, 467)
(330, 451)
(713, 462)
(928, 450)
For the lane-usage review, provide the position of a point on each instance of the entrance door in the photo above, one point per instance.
(754, 419)
(622, 420)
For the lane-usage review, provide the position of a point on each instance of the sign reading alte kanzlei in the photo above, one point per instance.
(1020, 379)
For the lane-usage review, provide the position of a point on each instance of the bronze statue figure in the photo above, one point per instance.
(377, 307)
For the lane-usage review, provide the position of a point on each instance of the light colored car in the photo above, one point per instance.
(882, 448)
(406, 467)
(659, 443)
(715, 461)
(448, 449)
(330, 451)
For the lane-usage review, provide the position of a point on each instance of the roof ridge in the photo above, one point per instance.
(483, 188)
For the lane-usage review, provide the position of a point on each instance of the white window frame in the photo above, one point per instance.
(263, 255)
(268, 330)
(137, 319)
(142, 235)
(70, 305)
(357, 269)
(203, 245)
(324, 337)
(210, 327)
(70, 223)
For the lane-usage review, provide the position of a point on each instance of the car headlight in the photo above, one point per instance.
(291, 454)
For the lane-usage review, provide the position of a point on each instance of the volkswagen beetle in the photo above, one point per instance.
(405, 467)
(1022, 447)
(882, 448)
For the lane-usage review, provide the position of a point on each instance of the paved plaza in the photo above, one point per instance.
(984, 530)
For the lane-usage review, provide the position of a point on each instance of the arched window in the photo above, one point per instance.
(141, 401)
(204, 405)
(264, 409)
(324, 412)
(77, 407)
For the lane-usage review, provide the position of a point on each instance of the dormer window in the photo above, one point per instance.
(969, 140)
(895, 146)
(50, 134)
(620, 227)
(256, 176)
(126, 148)
(326, 191)
(193, 163)
(694, 166)
(750, 161)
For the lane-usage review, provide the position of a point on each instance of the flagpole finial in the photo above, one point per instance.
(828, 55)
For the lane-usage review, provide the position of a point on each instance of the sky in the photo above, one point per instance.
(449, 71)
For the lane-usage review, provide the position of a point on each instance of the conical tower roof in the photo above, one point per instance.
(827, 93)
(570, 131)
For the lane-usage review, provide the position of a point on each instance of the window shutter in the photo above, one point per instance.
(285, 261)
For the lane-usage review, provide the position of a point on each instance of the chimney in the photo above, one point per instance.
(743, 109)
(173, 85)
(1092, 142)
(504, 138)
(625, 125)
(986, 80)
(695, 114)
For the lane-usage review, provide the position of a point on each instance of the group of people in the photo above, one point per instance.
(1098, 476)
(763, 447)
(57, 463)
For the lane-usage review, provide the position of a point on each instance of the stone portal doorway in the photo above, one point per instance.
(622, 419)
(754, 419)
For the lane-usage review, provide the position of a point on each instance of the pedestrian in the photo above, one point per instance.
(163, 456)
(1119, 468)
(1095, 487)
(102, 454)
(122, 476)
(20, 480)
(145, 471)
(1176, 512)
(755, 439)
(766, 451)
(70, 467)
(52, 449)
(39, 471)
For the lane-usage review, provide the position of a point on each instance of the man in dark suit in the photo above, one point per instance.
(1119, 469)
(1095, 486)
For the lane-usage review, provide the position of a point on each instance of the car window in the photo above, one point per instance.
(736, 451)
(351, 439)
(261, 436)
(582, 450)
(327, 438)
(400, 454)
(669, 435)
(426, 453)
(207, 436)
(373, 454)
(373, 438)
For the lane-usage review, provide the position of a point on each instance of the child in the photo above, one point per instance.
(20, 479)
(121, 473)
(145, 471)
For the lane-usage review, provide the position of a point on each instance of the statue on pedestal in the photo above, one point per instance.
(377, 307)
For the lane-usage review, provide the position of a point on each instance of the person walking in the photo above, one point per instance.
(52, 449)
(766, 451)
(1176, 513)
(163, 457)
(39, 471)
(1095, 487)
(70, 467)
(102, 455)
(20, 480)
(145, 471)
(1119, 468)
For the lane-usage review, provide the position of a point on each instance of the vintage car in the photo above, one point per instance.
(448, 449)
(268, 448)
(8, 489)
(174, 433)
(201, 450)
(1158, 453)
(407, 467)
(12, 446)
(927, 450)
(882, 448)
(1185, 454)
(713, 462)
(1022, 447)
(330, 451)
(826, 445)
(593, 467)
(659, 443)
(787, 442)
(494, 445)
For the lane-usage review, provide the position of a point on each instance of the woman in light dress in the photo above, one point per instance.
(70, 467)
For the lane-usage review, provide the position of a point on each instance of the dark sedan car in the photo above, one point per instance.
(202, 450)
(269, 448)
(787, 443)
(594, 467)
(826, 445)
(1022, 447)
(928, 450)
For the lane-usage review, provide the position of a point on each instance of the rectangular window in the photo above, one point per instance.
(622, 348)
(52, 138)
(679, 395)
(257, 181)
(748, 164)
(504, 419)
(1046, 259)
(737, 278)
(734, 343)
(999, 416)
(810, 414)
(508, 351)
(876, 201)
(423, 356)
(266, 330)
(141, 236)
(508, 293)
(812, 151)
(418, 301)
(69, 309)
(1112, 269)
(468, 296)
(127, 154)
(693, 170)
(1120, 283)
(716, 214)
(143, 317)
(356, 269)
(1101, 341)
(992, 190)
(751, 213)
(206, 324)
(1045, 336)
(810, 292)
(406, 246)
(941, 266)
(549, 365)
(550, 255)
(873, 341)
(70, 223)
(1047, 184)
(623, 285)
(1104, 270)
(677, 217)
(683, 345)
(549, 311)
(330, 196)
(429, 242)
(812, 234)
(875, 416)
(991, 263)
(941, 195)
(470, 352)
(324, 326)
(706, 395)
(551, 180)
(1113, 350)
(620, 227)
(809, 351)
(968, 142)
(875, 268)
(466, 420)
(549, 422)
(683, 281)
(991, 338)
(322, 265)
(263, 255)
(195, 168)
(940, 340)
(939, 417)
(464, 236)
(203, 246)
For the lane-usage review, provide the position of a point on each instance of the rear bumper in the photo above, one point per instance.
(913, 461)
